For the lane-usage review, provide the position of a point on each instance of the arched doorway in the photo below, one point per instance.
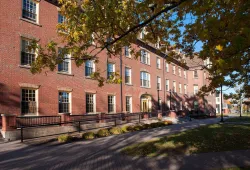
(146, 105)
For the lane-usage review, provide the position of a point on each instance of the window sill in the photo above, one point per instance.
(89, 77)
(145, 64)
(25, 66)
(64, 73)
(32, 22)
(128, 84)
(145, 87)
(128, 57)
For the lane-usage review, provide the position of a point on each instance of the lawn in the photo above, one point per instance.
(239, 119)
(211, 138)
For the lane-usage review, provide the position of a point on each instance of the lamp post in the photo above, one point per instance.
(170, 99)
(158, 98)
(221, 120)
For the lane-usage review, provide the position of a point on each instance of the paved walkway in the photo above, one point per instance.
(103, 154)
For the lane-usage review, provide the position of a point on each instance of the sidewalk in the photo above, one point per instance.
(103, 154)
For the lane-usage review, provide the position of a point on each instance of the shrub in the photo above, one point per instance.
(146, 126)
(130, 128)
(160, 124)
(103, 133)
(168, 122)
(138, 127)
(124, 129)
(115, 130)
(88, 135)
(153, 125)
(64, 138)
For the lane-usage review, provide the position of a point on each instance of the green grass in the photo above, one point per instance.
(239, 119)
(212, 138)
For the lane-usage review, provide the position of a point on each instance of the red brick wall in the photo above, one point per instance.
(11, 74)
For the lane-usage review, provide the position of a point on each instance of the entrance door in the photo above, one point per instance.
(144, 105)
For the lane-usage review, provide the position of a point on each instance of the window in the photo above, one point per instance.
(195, 74)
(175, 105)
(167, 67)
(89, 67)
(29, 102)
(185, 74)
(90, 103)
(30, 10)
(158, 63)
(180, 89)
(128, 75)
(65, 65)
(129, 104)
(196, 104)
(142, 33)
(61, 18)
(145, 79)
(64, 102)
(27, 56)
(145, 58)
(158, 83)
(179, 71)
(185, 89)
(127, 51)
(111, 69)
(167, 85)
(173, 69)
(174, 86)
(111, 104)
(195, 89)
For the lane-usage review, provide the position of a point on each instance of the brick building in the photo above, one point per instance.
(149, 83)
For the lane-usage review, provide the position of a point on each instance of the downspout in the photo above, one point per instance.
(121, 82)
(164, 80)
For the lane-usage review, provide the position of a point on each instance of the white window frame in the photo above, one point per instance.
(93, 67)
(179, 71)
(167, 67)
(174, 86)
(26, 51)
(147, 55)
(68, 59)
(70, 100)
(194, 74)
(167, 84)
(94, 102)
(180, 88)
(148, 76)
(173, 69)
(185, 74)
(158, 63)
(158, 82)
(108, 69)
(130, 104)
(129, 50)
(180, 105)
(37, 11)
(185, 89)
(112, 103)
(36, 100)
(195, 85)
(130, 75)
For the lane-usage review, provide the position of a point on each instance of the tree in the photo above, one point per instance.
(221, 27)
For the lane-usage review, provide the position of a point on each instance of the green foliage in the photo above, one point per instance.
(103, 133)
(115, 130)
(125, 129)
(138, 127)
(64, 138)
(88, 135)
(130, 128)
(146, 126)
